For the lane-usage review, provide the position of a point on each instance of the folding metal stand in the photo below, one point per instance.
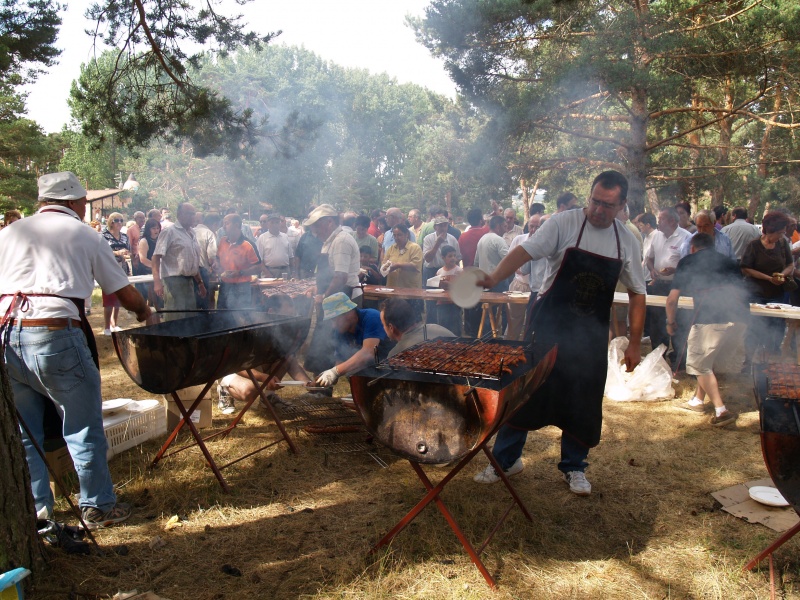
(433, 495)
(186, 414)
(767, 552)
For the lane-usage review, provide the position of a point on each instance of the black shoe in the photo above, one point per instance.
(62, 536)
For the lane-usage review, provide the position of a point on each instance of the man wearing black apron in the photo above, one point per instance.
(587, 252)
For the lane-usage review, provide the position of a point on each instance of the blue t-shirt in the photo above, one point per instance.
(369, 326)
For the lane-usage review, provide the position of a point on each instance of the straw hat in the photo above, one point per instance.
(336, 304)
(323, 210)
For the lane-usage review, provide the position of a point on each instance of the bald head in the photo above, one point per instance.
(394, 216)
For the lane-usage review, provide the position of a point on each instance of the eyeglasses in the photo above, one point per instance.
(606, 205)
(118, 221)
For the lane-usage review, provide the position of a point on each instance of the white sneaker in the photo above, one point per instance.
(578, 484)
(226, 405)
(106, 332)
(116, 328)
(489, 475)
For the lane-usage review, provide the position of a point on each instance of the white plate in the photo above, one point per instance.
(767, 495)
(111, 406)
(519, 294)
(384, 289)
(463, 291)
(267, 279)
(435, 291)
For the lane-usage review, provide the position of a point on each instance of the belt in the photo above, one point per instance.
(51, 324)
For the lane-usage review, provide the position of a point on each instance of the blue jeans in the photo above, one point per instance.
(56, 366)
(509, 443)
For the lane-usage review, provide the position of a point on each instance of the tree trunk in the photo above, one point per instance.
(19, 541)
(652, 200)
(637, 158)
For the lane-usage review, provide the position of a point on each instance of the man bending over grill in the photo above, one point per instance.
(359, 337)
(587, 252)
(403, 325)
(721, 312)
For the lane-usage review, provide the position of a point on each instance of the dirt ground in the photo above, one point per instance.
(301, 526)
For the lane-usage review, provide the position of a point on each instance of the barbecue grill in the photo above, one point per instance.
(444, 407)
(198, 349)
(777, 393)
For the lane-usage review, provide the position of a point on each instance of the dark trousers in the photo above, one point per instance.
(509, 443)
(657, 316)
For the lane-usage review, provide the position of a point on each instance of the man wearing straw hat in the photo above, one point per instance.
(49, 348)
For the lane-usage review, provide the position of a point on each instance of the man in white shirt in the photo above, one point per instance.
(512, 229)
(176, 263)
(662, 260)
(740, 231)
(275, 248)
(207, 242)
(492, 248)
(647, 224)
(44, 278)
(432, 248)
(415, 219)
(521, 283)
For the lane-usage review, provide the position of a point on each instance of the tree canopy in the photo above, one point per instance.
(663, 91)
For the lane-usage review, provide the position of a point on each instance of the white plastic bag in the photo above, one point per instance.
(651, 380)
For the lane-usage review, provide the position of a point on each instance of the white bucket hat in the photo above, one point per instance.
(60, 186)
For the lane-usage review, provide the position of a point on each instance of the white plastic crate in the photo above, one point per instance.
(140, 421)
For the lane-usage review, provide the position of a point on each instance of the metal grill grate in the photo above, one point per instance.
(319, 417)
(783, 381)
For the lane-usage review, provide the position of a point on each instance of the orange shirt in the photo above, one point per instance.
(236, 257)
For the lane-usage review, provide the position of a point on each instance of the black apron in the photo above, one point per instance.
(574, 314)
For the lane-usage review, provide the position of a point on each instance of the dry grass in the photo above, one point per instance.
(299, 529)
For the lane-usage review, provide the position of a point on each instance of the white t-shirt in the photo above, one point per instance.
(443, 272)
(490, 251)
(666, 251)
(53, 252)
(560, 232)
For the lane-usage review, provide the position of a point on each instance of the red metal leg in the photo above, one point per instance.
(186, 415)
(271, 409)
(199, 440)
(433, 492)
(772, 547)
(277, 366)
(454, 526)
(499, 470)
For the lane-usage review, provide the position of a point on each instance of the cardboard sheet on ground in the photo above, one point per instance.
(736, 501)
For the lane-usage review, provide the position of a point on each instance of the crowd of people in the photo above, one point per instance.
(570, 262)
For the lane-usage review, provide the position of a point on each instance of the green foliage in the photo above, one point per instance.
(664, 91)
(342, 136)
(28, 33)
(144, 90)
